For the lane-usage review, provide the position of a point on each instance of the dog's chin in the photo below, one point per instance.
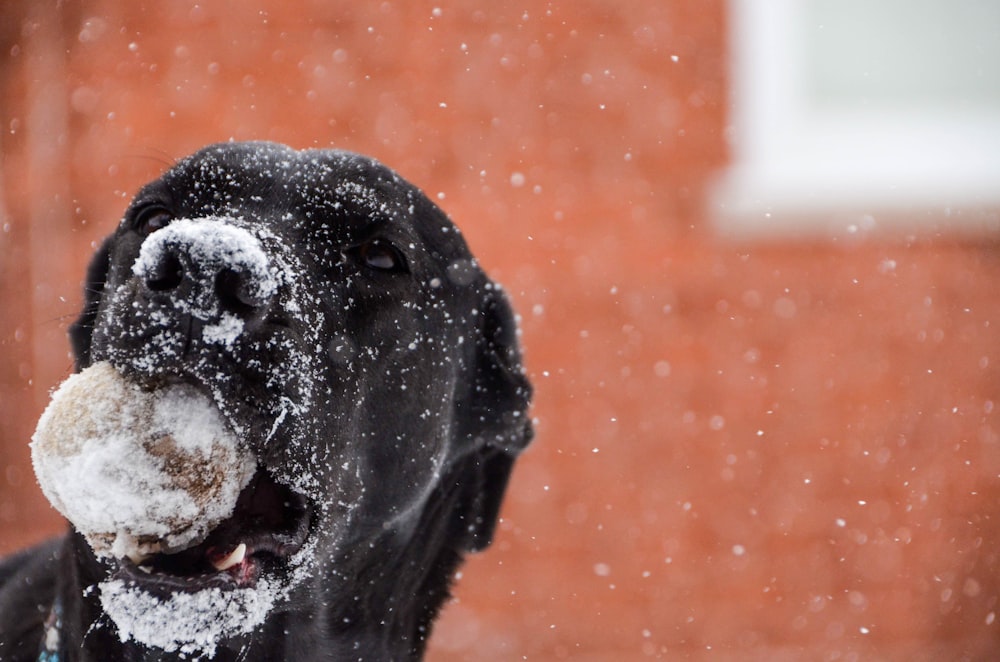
(268, 527)
(191, 623)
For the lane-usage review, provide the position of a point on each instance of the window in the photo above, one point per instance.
(848, 114)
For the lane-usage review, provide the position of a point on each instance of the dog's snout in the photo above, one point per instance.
(206, 269)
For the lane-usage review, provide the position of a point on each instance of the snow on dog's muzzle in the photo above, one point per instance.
(137, 472)
(210, 269)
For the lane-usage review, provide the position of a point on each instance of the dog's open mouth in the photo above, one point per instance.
(269, 524)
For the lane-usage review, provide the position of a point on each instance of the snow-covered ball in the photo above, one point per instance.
(137, 472)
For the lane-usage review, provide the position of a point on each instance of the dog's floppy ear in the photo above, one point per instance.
(82, 329)
(496, 419)
(502, 393)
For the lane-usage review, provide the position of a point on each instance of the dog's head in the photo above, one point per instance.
(338, 321)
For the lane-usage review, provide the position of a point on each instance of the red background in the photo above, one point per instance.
(746, 451)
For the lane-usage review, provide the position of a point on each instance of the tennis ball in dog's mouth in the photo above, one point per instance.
(137, 472)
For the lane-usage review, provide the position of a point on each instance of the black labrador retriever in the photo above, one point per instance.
(376, 378)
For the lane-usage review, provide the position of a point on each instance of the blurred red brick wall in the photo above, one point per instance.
(746, 452)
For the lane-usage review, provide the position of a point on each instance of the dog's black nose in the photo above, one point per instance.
(166, 274)
(203, 287)
(235, 291)
(206, 269)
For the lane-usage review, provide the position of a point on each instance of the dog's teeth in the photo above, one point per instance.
(146, 569)
(136, 556)
(235, 557)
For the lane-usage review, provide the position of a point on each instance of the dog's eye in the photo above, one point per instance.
(381, 256)
(150, 219)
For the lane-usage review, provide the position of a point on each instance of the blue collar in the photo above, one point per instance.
(49, 651)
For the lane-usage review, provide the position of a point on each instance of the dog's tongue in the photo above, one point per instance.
(138, 472)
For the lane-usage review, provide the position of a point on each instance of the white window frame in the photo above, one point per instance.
(797, 170)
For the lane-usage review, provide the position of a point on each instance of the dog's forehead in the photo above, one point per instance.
(239, 173)
(344, 188)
